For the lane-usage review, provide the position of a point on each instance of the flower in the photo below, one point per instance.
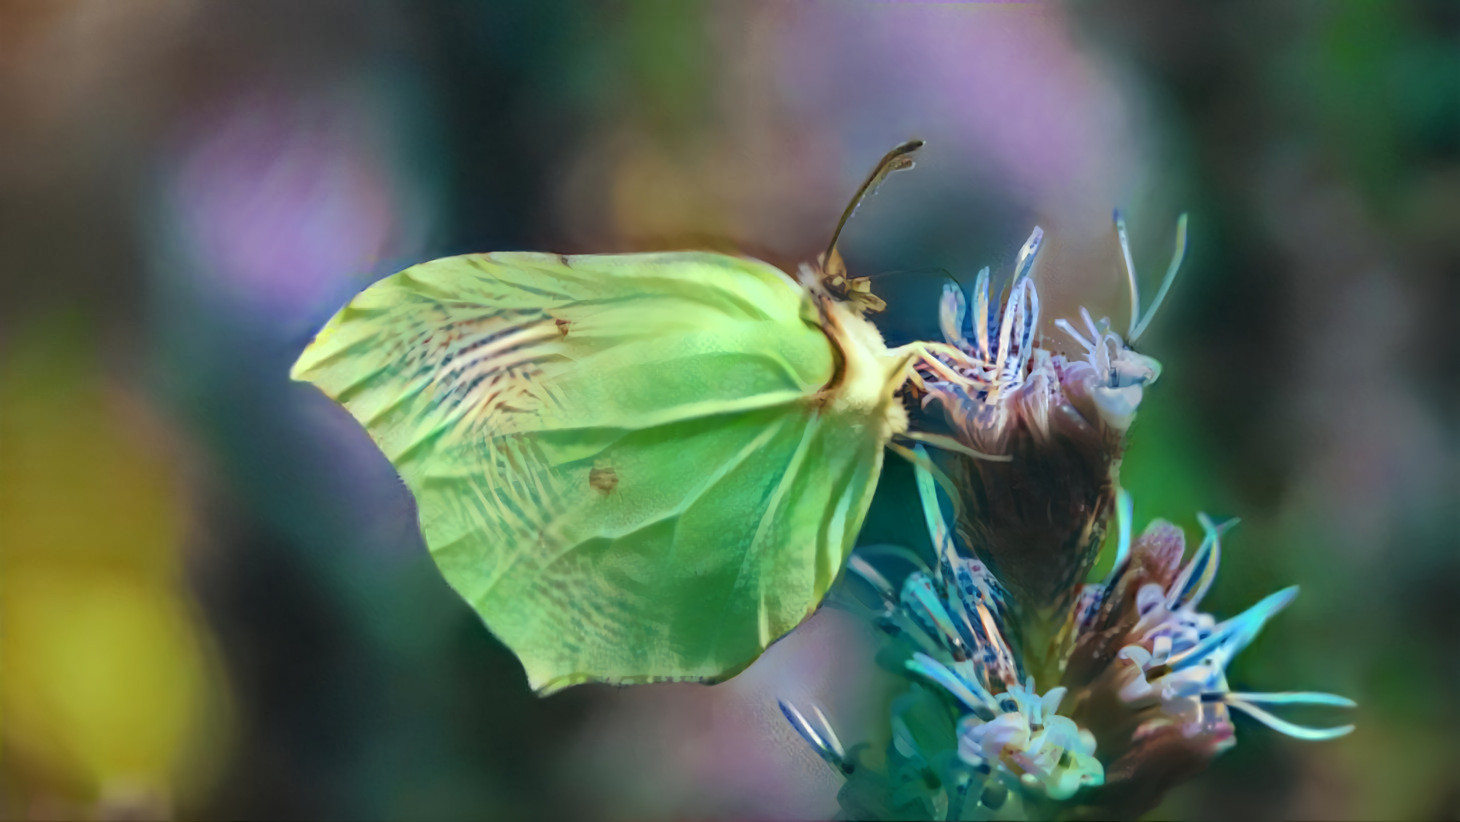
(1037, 518)
(1140, 703)
(1135, 695)
(1148, 670)
(972, 737)
(995, 376)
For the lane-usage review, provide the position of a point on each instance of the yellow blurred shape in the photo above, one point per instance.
(78, 478)
(108, 681)
(103, 674)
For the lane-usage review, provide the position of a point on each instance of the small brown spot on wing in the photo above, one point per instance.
(562, 326)
(603, 479)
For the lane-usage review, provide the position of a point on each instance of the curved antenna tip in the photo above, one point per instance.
(898, 159)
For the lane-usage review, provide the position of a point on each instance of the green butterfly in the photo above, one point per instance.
(636, 467)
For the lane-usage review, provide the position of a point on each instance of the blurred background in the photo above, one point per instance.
(215, 600)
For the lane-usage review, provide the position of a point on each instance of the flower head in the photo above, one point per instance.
(1038, 518)
(1148, 669)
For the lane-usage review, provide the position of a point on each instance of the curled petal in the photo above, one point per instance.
(1285, 727)
(1236, 633)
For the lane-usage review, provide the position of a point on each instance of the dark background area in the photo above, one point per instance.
(215, 600)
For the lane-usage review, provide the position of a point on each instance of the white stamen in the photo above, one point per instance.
(1130, 270)
(1096, 334)
(1064, 325)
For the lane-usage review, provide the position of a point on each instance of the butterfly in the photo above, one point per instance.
(634, 467)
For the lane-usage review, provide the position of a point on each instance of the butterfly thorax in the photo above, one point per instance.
(867, 375)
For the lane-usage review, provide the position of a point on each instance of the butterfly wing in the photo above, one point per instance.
(634, 467)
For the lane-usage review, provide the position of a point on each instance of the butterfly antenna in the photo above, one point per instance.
(897, 159)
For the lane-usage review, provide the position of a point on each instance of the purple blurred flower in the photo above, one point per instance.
(282, 199)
